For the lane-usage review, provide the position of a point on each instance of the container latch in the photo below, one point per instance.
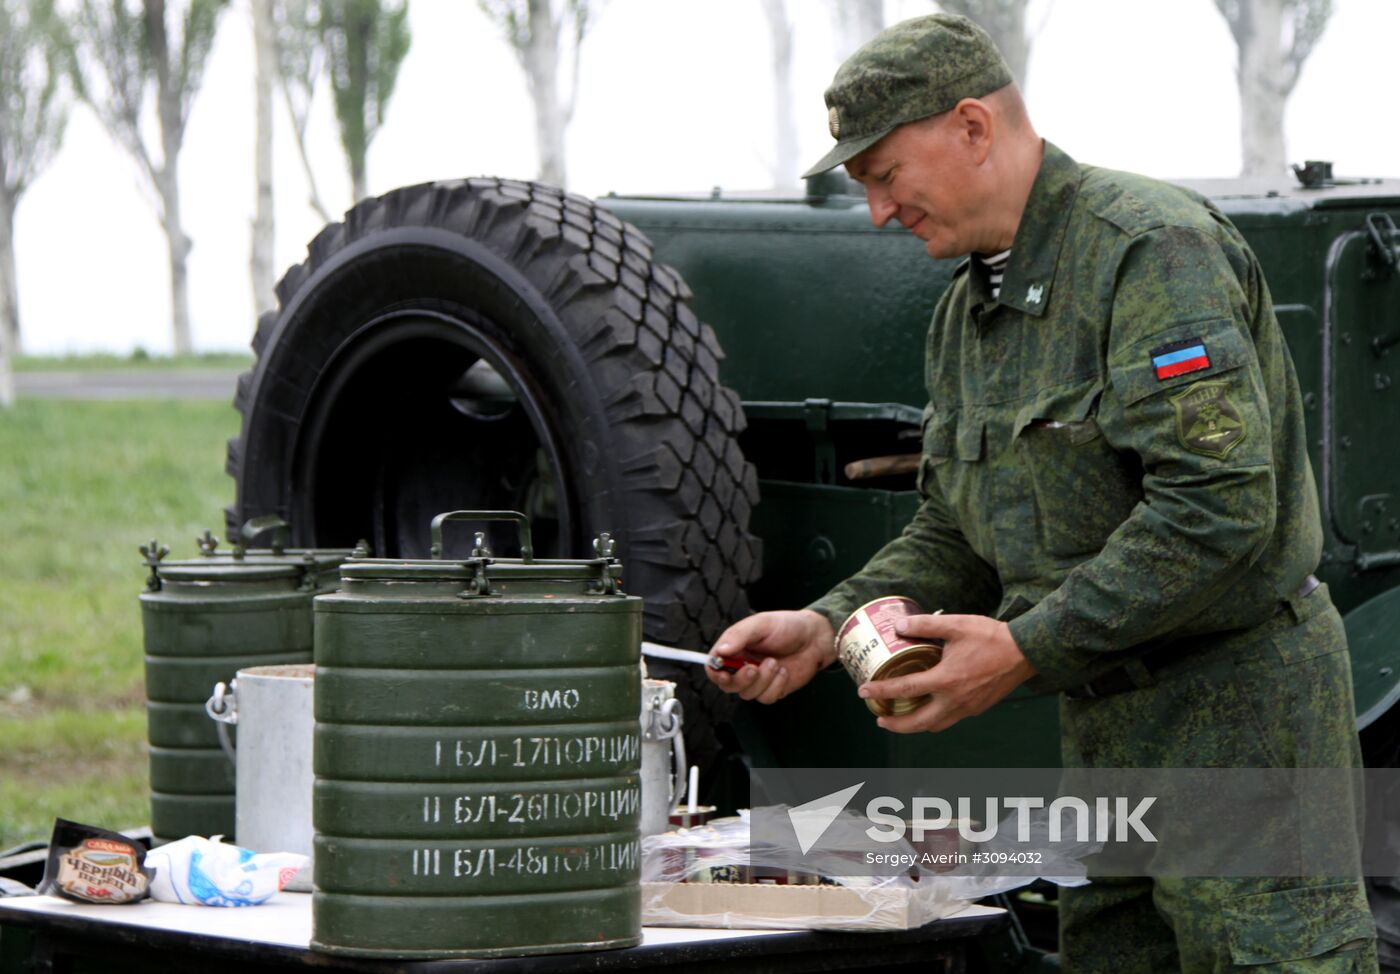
(608, 582)
(154, 552)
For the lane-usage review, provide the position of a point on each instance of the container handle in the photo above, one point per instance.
(222, 708)
(522, 523)
(254, 526)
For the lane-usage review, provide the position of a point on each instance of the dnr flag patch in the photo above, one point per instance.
(1179, 358)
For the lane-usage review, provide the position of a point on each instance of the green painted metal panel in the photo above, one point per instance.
(190, 679)
(476, 696)
(1373, 634)
(464, 868)
(828, 533)
(1364, 473)
(182, 725)
(542, 752)
(508, 809)
(178, 815)
(827, 725)
(482, 926)
(191, 771)
(807, 300)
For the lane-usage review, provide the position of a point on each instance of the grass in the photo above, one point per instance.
(86, 765)
(82, 484)
(136, 360)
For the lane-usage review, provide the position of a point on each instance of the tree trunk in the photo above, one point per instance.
(9, 300)
(541, 59)
(1005, 22)
(1262, 95)
(854, 22)
(359, 181)
(785, 166)
(260, 258)
(179, 250)
(1013, 42)
(167, 177)
(9, 277)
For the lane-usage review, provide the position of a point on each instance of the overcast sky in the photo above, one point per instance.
(675, 95)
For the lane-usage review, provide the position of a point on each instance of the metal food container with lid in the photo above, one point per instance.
(477, 755)
(203, 620)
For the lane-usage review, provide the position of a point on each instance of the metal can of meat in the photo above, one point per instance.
(870, 649)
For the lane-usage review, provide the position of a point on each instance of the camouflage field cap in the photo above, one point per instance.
(915, 69)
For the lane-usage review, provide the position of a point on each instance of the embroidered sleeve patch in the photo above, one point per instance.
(1179, 358)
(1207, 422)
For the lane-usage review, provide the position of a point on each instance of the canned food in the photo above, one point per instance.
(870, 649)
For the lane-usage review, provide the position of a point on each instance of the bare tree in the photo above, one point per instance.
(301, 61)
(854, 22)
(544, 35)
(365, 42)
(1005, 21)
(784, 166)
(1273, 39)
(123, 52)
(264, 227)
(34, 53)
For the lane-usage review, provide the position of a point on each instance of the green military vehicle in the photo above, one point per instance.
(703, 377)
(732, 386)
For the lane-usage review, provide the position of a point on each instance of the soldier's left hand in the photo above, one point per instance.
(981, 664)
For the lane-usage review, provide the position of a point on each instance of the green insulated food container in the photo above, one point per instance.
(477, 755)
(204, 619)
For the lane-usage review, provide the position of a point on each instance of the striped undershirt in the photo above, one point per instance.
(996, 268)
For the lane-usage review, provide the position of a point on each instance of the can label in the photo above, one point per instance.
(870, 649)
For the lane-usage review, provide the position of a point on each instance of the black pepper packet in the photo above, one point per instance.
(92, 865)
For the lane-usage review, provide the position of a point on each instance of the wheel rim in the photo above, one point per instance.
(423, 410)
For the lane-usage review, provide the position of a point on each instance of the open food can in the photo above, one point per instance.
(870, 649)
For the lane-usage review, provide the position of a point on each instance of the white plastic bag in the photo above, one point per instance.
(207, 872)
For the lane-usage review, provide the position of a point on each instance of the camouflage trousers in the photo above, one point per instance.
(1279, 695)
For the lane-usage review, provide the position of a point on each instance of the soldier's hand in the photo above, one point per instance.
(981, 664)
(795, 645)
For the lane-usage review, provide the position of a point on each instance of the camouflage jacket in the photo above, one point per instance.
(1114, 456)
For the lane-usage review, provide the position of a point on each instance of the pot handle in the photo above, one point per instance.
(522, 523)
(679, 772)
(222, 708)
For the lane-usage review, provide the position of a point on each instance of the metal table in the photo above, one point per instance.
(45, 935)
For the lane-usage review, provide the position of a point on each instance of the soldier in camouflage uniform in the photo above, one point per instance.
(1117, 504)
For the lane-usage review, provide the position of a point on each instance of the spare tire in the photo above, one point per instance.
(491, 344)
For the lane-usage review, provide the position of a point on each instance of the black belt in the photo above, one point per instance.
(1125, 678)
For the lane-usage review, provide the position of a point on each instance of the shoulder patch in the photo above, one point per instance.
(1179, 358)
(1207, 421)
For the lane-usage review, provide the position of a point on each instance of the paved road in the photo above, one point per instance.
(129, 384)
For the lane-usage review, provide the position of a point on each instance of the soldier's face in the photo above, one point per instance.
(921, 175)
